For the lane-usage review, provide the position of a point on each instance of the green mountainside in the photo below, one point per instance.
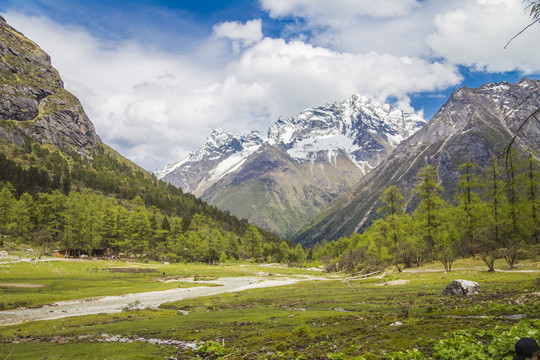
(280, 193)
(73, 191)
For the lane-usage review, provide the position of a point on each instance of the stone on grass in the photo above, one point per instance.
(462, 287)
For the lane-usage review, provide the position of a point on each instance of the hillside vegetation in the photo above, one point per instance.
(494, 215)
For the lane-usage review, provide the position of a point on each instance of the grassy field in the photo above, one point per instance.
(336, 318)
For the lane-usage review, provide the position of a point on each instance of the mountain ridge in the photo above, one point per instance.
(328, 148)
(474, 124)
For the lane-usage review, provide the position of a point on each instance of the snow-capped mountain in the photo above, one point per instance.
(281, 181)
(220, 154)
(360, 128)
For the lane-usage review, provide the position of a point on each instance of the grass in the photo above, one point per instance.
(308, 320)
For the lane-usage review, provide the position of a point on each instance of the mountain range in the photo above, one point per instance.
(281, 180)
(318, 176)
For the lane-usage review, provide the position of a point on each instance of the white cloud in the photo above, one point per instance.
(298, 75)
(475, 35)
(332, 11)
(247, 34)
(154, 106)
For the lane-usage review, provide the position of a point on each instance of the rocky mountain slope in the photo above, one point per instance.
(281, 181)
(475, 124)
(33, 102)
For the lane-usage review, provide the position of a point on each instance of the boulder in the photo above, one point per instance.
(462, 287)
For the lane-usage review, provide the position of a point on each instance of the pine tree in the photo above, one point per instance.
(393, 206)
(512, 240)
(489, 235)
(531, 165)
(22, 214)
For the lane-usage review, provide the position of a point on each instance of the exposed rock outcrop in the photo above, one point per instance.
(33, 101)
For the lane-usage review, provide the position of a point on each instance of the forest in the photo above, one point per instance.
(494, 215)
(69, 202)
(85, 206)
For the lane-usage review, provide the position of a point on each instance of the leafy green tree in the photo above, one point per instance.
(397, 234)
(252, 241)
(447, 238)
(513, 239)
(139, 230)
(50, 214)
(531, 169)
(114, 227)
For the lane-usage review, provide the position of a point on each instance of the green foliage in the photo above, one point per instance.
(212, 348)
(105, 202)
(496, 215)
(460, 345)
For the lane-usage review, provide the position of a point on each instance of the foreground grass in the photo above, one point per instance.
(332, 319)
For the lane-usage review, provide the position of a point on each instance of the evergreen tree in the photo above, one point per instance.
(393, 207)
(513, 239)
(531, 169)
(21, 220)
(7, 202)
(470, 210)
(428, 214)
(252, 241)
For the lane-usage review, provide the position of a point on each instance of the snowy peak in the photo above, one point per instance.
(359, 128)
(356, 124)
(221, 153)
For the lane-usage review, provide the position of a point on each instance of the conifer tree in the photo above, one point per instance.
(512, 240)
(470, 211)
(428, 214)
(531, 169)
(7, 202)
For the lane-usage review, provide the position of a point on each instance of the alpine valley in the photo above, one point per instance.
(282, 180)
(340, 157)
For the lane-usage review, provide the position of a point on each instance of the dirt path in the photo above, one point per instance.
(112, 304)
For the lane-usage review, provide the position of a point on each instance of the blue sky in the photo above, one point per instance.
(155, 77)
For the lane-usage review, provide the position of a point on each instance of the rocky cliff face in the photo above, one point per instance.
(33, 101)
(475, 124)
(281, 181)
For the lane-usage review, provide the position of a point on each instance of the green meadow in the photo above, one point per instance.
(391, 316)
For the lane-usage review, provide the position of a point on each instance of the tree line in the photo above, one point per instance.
(86, 222)
(35, 169)
(494, 215)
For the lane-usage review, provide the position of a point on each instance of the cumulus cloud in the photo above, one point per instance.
(244, 34)
(475, 35)
(155, 106)
(298, 75)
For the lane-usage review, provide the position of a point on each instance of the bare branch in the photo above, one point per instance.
(519, 33)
